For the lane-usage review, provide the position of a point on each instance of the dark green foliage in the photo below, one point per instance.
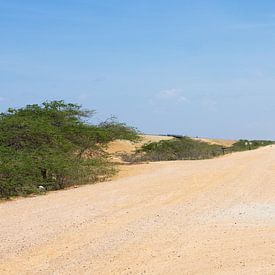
(186, 148)
(243, 145)
(177, 149)
(117, 130)
(52, 145)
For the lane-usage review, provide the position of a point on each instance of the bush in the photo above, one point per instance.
(243, 145)
(183, 148)
(52, 145)
(186, 148)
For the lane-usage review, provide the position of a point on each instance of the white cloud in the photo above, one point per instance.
(173, 95)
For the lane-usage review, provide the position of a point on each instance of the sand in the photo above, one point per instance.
(126, 146)
(181, 217)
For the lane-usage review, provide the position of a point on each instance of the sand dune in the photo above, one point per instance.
(126, 146)
(183, 217)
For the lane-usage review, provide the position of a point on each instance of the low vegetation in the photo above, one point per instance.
(52, 146)
(243, 145)
(185, 148)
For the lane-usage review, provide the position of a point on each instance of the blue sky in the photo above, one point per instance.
(201, 68)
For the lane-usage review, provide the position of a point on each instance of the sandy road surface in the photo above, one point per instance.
(187, 217)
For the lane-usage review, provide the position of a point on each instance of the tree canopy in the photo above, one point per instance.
(53, 145)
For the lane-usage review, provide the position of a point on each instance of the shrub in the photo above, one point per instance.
(186, 148)
(243, 145)
(183, 148)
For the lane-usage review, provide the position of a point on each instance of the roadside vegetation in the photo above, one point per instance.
(185, 148)
(53, 146)
(243, 145)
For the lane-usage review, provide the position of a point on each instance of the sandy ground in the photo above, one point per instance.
(186, 217)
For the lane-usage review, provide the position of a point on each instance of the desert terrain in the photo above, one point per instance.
(212, 216)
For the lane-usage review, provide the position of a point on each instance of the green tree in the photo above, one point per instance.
(54, 145)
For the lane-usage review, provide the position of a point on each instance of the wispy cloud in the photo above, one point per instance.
(173, 94)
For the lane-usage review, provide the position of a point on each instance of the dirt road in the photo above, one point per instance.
(187, 217)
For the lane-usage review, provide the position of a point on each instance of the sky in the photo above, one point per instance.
(194, 67)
